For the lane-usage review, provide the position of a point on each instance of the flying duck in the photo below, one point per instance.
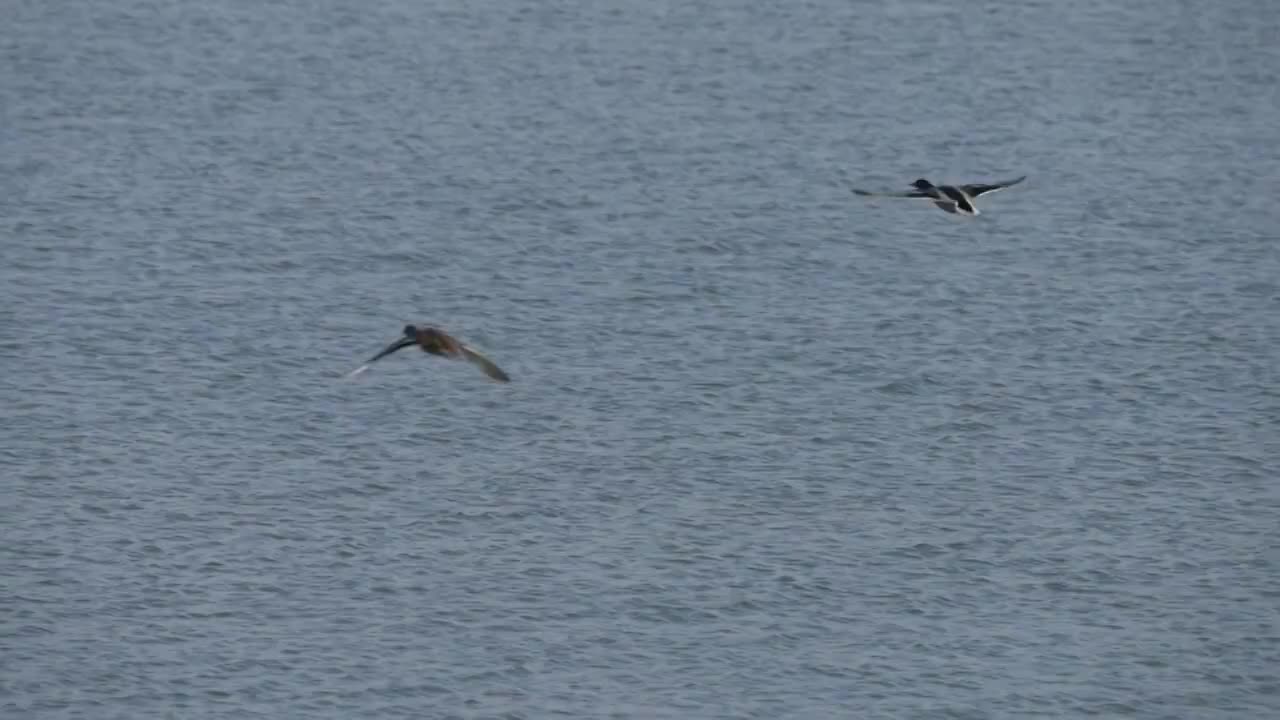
(951, 198)
(437, 342)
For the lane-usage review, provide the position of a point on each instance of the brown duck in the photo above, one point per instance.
(955, 199)
(438, 342)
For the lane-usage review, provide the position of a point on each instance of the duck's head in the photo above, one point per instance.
(922, 184)
(411, 331)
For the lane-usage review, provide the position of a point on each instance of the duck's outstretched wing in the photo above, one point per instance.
(397, 345)
(978, 189)
(908, 194)
(484, 364)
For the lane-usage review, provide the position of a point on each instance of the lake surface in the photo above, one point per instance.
(771, 450)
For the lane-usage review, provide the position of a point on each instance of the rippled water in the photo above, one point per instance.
(772, 450)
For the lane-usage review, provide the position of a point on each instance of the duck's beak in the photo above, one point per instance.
(397, 345)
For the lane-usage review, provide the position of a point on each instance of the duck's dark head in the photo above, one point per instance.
(411, 331)
(922, 184)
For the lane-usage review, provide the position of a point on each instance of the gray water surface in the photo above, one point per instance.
(771, 450)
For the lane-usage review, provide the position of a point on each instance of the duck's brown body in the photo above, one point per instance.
(438, 342)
